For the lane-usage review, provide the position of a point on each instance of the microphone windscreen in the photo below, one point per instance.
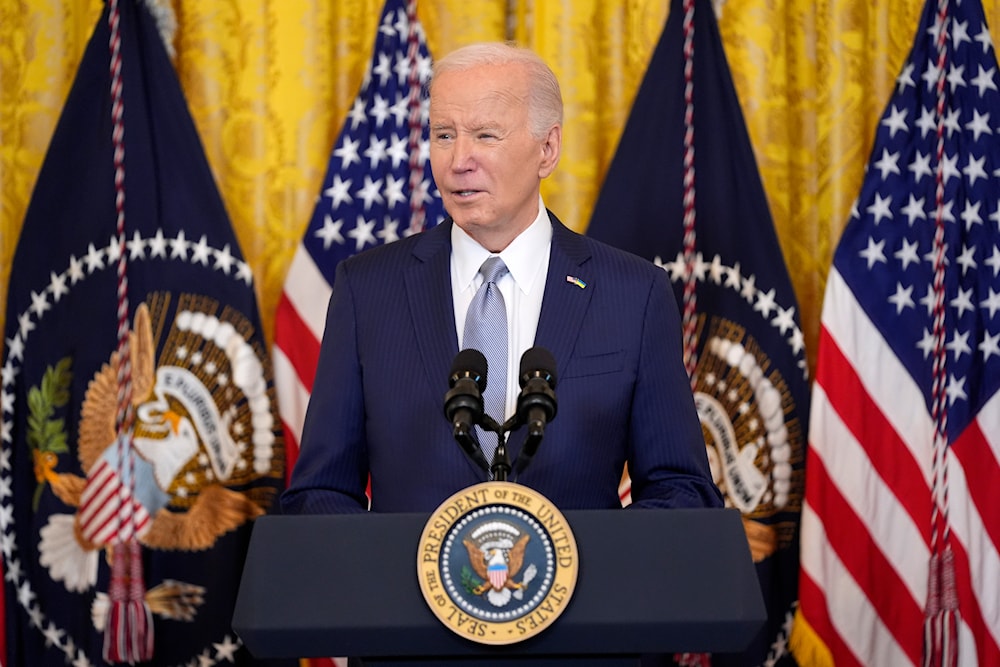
(470, 363)
(538, 361)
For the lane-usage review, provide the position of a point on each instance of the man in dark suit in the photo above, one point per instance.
(395, 324)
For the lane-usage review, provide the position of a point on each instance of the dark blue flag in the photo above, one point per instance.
(207, 454)
(746, 352)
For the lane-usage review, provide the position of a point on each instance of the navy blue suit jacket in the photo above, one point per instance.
(377, 404)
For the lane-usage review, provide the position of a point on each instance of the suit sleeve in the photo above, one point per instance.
(668, 463)
(331, 473)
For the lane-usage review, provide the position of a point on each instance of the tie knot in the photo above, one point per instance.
(493, 269)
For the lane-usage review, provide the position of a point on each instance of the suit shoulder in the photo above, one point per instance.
(591, 253)
(623, 261)
(397, 254)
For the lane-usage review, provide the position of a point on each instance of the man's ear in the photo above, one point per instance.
(551, 150)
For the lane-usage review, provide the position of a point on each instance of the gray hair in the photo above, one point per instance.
(545, 105)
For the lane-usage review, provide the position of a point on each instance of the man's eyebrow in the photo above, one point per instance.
(478, 126)
(481, 125)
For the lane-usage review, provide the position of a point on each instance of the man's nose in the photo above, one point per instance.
(463, 156)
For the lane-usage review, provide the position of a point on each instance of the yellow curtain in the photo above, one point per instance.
(269, 82)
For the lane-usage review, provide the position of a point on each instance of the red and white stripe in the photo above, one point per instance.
(866, 523)
(108, 510)
(298, 331)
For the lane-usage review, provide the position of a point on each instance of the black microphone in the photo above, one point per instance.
(536, 404)
(463, 403)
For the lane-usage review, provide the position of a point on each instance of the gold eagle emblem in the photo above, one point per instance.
(216, 510)
(194, 431)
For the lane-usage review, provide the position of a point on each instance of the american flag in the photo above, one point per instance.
(378, 188)
(901, 525)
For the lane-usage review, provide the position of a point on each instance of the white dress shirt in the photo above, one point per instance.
(527, 260)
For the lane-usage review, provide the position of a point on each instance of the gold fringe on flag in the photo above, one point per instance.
(808, 649)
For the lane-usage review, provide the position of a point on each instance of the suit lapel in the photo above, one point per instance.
(433, 317)
(564, 303)
(426, 280)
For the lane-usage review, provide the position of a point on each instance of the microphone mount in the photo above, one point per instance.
(536, 406)
(500, 466)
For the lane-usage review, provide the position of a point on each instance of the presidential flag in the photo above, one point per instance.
(377, 189)
(683, 190)
(136, 400)
(901, 524)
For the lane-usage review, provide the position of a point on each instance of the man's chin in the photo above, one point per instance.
(466, 222)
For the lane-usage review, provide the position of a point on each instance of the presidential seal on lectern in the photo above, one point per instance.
(497, 563)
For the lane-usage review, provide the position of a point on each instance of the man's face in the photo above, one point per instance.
(487, 165)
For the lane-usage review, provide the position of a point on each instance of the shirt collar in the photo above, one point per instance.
(523, 257)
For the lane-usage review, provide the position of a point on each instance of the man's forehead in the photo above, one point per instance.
(481, 106)
(482, 81)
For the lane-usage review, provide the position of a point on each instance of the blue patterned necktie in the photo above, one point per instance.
(486, 331)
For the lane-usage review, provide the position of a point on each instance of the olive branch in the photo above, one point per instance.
(470, 582)
(47, 433)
